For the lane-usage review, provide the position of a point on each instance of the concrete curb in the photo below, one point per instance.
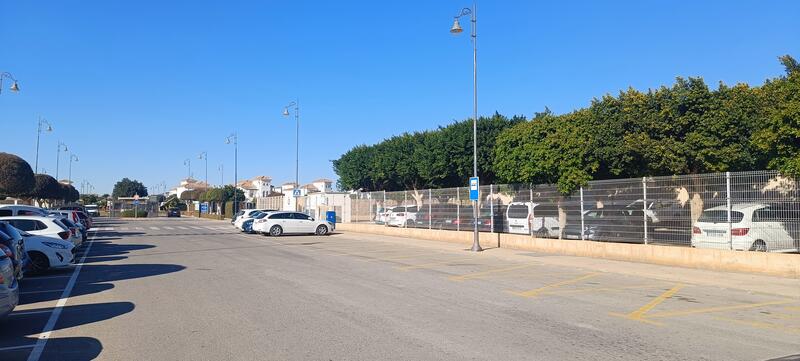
(774, 264)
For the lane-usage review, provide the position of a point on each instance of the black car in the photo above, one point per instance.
(610, 223)
(174, 212)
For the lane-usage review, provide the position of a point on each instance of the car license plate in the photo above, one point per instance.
(715, 233)
(572, 236)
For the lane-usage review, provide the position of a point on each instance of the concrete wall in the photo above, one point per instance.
(776, 264)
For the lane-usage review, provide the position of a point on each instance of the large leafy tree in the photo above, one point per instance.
(128, 188)
(68, 193)
(45, 187)
(779, 137)
(16, 176)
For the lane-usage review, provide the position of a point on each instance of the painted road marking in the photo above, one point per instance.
(761, 325)
(600, 289)
(154, 228)
(123, 228)
(36, 353)
(433, 264)
(169, 228)
(481, 274)
(398, 257)
(181, 227)
(538, 291)
(718, 309)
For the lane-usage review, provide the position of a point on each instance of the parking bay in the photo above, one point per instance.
(197, 289)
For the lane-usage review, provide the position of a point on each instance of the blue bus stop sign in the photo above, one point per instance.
(474, 192)
(135, 202)
(296, 193)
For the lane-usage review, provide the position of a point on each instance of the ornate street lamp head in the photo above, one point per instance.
(456, 29)
(15, 87)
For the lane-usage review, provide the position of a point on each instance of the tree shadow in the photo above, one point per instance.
(20, 327)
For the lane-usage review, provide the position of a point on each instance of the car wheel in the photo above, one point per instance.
(39, 262)
(275, 231)
(321, 230)
(410, 224)
(541, 233)
(759, 246)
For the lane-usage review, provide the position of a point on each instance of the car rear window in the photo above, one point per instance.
(720, 216)
(5, 212)
(518, 211)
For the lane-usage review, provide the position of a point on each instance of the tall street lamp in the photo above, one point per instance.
(188, 163)
(456, 29)
(296, 105)
(204, 156)
(71, 158)
(49, 128)
(221, 170)
(14, 86)
(234, 138)
(61, 148)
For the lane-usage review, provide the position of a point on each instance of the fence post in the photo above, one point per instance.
(405, 209)
(728, 199)
(530, 204)
(491, 207)
(383, 217)
(430, 208)
(644, 206)
(458, 209)
(358, 199)
(583, 230)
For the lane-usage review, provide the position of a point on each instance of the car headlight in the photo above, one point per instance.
(54, 245)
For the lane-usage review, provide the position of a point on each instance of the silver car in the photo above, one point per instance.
(9, 287)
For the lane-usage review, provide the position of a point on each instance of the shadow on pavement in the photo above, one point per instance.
(22, 327)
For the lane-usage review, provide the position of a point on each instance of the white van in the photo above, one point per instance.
(532, 218)
(21, 210)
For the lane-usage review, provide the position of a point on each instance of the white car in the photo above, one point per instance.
(92, 210)
(533, 218)
(754, 227)
(47, 252)
(402, 216)
(41, 226)
(248, 214)
(9, 210)
(279, 223)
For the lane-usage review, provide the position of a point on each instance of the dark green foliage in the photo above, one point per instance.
(128, 188)
(16, 176)
(45, 187)
(431, 159)
(134, 213)
(68, 193)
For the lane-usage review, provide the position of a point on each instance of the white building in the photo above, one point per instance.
(256, 187)
(188, 185)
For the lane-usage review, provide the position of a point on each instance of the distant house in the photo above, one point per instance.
(190, 185)
(256, 187)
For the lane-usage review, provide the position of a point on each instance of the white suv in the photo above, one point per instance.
(402, 216)
(754, 227)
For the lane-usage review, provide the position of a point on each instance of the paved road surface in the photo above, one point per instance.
(188, 289)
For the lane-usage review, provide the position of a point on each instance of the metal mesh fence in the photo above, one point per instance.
(755, 211)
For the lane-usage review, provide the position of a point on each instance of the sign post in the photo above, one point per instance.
(136, 206)
(474, 196)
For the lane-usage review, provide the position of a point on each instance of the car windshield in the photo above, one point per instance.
(518, 211)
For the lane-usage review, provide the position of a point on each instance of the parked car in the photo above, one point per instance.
(39, 225)
(9, 286)
(236, 216)
(12, 239)
(402, 216)
(92, 210)
(9, 210)
(47, 252)
(609, 223)
(249, 215)
(754, 227)
(64, 216)
(537, 219)
(381, 215)
(73, 207)
(279, 223)
(174, 212)
(76, 234)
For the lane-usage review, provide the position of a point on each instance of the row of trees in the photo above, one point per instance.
(682, 129)
(17, 180)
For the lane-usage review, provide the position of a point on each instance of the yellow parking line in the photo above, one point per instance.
(399, 257)
(655, 302)
(540, 290)
(600, 289)
(434, 264)
(717, 309)
(761, 325)
(481, 274)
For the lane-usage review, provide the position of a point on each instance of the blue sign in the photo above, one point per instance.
(296, 193)
(474, 191)
(203, 207)
(135, 202)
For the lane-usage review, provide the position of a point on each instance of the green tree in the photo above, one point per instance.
(779, 135)
(68, 193)
(45, 188)
(128, 188)
(16, 176)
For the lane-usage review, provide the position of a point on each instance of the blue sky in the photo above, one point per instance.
(135, 87)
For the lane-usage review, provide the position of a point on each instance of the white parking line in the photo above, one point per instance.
(123, 228)
(154, 228)
(36, 353)
(169, 228)
(179, 227)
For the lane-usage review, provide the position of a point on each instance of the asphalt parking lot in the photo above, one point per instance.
(189, 289)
